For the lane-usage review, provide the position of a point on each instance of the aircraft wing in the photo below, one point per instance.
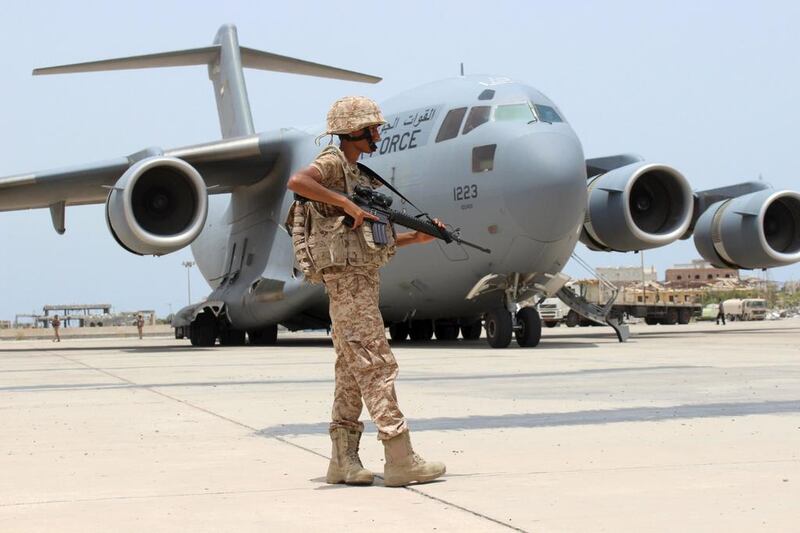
(73, 185)
(223, 165)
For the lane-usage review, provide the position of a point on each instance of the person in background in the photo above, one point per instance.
(139, 324)
(721, 314)
(56, 326)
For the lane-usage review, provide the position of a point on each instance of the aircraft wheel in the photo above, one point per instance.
(399, 331)
(231, 337)
(530, 331)
(572, 319)
(684, 316)
(498, 328)
(446, 331)
(266, 336)
(204, 333)
(471, 332)
(421, 330)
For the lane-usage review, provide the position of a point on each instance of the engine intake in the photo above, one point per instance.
(158, 206)
(637, 207)
(757, 230)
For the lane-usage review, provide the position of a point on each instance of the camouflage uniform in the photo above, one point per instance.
(365, 366)
(347, 262)
(140, 325)
(56, 327)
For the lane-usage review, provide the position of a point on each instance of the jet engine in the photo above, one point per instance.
(757, 230)
(637, 207)
(158, 206)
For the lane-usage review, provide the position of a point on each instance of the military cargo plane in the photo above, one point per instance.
(490, 156)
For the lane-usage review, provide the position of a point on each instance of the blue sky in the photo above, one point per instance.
(709, 88)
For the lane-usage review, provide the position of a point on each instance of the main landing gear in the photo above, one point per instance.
(206, 329)
(445, 329)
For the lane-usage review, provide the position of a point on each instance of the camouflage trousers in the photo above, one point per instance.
(365, 366)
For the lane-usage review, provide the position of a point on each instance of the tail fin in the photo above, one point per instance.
(225, 60)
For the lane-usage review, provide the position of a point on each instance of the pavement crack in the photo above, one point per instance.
(142, 497)
(276, 437)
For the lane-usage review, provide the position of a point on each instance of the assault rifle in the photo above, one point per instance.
(379, 205)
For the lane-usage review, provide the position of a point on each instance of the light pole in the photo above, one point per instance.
(189, 265)
(644, 282)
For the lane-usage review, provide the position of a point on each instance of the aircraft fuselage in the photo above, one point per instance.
(490, 156)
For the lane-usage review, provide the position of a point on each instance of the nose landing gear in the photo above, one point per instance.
(525, 323)
(499, 327)
(529, 327)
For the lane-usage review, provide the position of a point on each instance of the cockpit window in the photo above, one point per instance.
(547, 113)
(451, 124)
(521, 112)
(477, 115)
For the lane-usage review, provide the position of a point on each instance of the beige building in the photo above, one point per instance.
(698, 273)
(791, 287)
(628, 274)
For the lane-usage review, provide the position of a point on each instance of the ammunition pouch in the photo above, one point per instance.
(322, 242)
(297, 224)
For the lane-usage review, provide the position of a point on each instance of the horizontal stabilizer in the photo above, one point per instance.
(251, 58)
(179, 58)
(266, 61)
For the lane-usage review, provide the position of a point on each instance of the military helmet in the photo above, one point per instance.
(353, 113)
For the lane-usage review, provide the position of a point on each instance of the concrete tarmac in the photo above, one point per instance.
(683, 428)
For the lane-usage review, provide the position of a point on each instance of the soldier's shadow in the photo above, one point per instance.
(324, 485)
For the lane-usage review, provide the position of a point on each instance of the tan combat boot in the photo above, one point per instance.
(345, 466)
(403, 466)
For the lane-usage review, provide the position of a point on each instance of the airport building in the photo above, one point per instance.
(627, 275)
(83, 315)
(698, 273)
(791, 287)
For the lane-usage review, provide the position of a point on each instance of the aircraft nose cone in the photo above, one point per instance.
(548, 196)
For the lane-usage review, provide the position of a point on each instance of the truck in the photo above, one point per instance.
(745, 308)
(651, 302)
(553, 311)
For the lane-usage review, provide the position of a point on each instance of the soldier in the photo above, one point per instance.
(348, 261)
(56, 326)
(139, 324)
(721, 314)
